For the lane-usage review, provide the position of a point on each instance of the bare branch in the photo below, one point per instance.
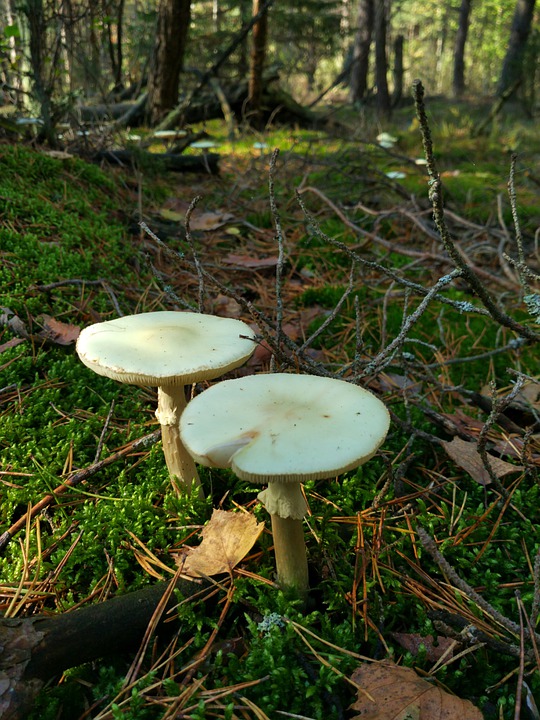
(435, 196)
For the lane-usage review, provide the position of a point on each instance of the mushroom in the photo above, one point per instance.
(169, 350)
(283, 429)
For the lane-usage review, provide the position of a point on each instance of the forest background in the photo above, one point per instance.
(59, 56)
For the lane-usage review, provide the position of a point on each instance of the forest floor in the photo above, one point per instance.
(426, 559)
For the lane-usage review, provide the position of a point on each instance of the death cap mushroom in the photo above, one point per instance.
(167, 350)
(281, 429)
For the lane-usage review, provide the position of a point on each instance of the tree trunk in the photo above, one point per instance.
(243, 49)
(384, 109)
(114, 36)
(361, 49)
(38, 54)
(178, 112)
(512, 68)
(10, 63)
(440, 48)
(36, 649)
(256, 66)
(172, 162)
(93, 71)
(68, 41)
(398, 71)
(168, 57)
(458, 81)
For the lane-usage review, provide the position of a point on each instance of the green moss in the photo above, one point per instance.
(62, 218)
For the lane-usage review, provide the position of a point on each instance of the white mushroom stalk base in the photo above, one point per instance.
(182, 468)
(287, 506)
(291, 557)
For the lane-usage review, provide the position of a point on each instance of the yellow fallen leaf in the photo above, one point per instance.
(390, 692)
(210, 220)
(172, 215)
(226, 540)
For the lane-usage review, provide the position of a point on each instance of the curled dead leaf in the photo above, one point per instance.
(226, 540)
(52, 330)
(390, 692)
(58, 332)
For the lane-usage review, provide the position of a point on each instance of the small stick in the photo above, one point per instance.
(78, 477)
(513, 204)
(498, 406)
(519, 686)
(536, 597)
(194, 253)
(385, 356)
(279, 238)
(392, 274)
(103, 432)
(330, 319)
(431, 547)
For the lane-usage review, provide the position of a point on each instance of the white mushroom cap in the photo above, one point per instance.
(165, 348)
(203, 144)
(283, 427)
(169, 134)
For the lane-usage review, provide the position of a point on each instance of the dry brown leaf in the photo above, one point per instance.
(53, 331)
(390, 692)
(466, 424)
(226, 540)
(176, 204)
(468, 458)
(57, 332)
(531, 393)
(412, 643)
(225, 306)
(247, 261)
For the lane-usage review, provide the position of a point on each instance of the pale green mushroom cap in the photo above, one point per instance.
(284, 428)
(165, 347)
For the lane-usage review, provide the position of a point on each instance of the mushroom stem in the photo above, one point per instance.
(291, 558)
(182, 468)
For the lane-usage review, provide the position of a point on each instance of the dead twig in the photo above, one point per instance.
(514, 628)
(103, 433)
(385, 356)
(194, 253)
(281, 256)
(498, 406)
(435, 196)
